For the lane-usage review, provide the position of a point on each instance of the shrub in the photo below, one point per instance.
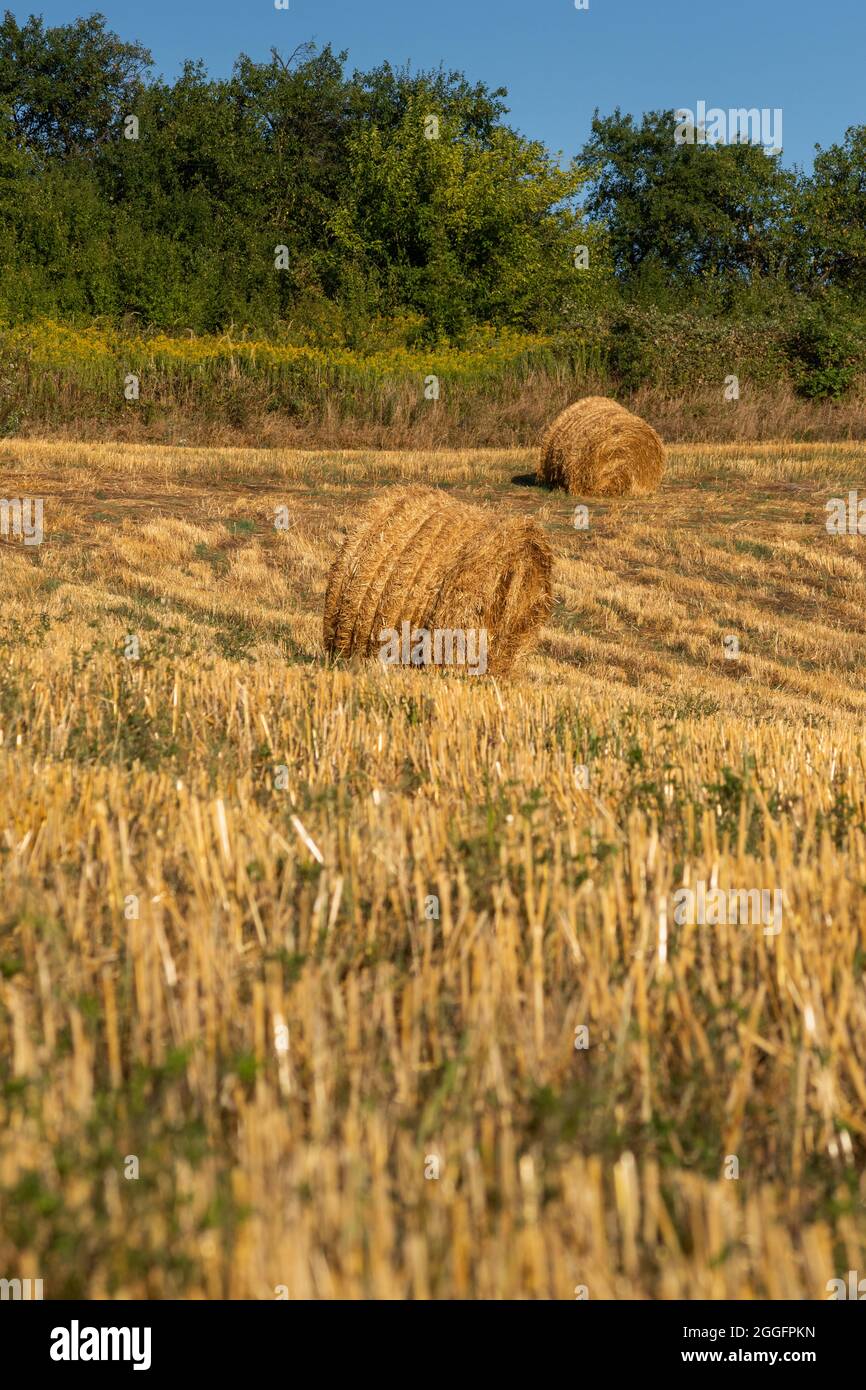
(823, 356)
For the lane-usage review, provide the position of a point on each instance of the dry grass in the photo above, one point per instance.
(285, 1038)
(414, 556)
(511, 412)
(597, 448)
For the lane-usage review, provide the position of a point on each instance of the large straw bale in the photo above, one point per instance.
(597, 448)
(417, 556)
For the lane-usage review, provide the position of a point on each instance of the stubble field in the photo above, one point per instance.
(240, 1053)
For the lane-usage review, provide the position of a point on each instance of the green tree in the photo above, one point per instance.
(836, 213)
(458, 226)
(66, 88)
(680, 213)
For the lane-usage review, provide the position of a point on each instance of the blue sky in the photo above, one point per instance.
(808, 58)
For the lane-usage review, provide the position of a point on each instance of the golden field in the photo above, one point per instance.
(282, 1040)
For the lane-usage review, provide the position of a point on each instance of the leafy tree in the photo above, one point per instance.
(836, 212)
(675, 213)
(300, 108)
(459, 226)
(383, 96)
(66, 88)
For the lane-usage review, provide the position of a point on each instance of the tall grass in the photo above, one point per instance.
(501, 390)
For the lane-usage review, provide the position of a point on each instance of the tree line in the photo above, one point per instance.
(298, 198)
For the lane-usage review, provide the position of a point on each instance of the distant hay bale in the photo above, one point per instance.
(416, 556)
(596, 447)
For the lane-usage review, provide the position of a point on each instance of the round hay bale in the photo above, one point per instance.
(417, 557)
(596, 447)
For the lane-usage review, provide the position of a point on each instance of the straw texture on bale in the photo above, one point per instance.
(416, 555)
(596, 447)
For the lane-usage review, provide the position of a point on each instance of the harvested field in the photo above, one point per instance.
(377, 973)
